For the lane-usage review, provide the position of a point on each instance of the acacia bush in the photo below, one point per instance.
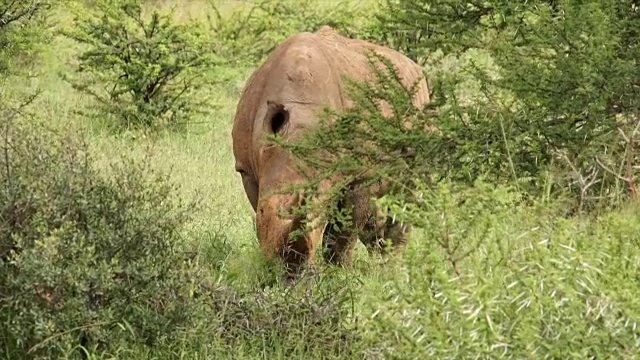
(537, 120)
(554, 110)
(96, 263)
(87, 259)
(22, 27)
(247, 35)
(563, 94)
(495, 278)
(143, 71)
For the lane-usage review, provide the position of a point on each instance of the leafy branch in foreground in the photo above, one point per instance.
(554, 116)
(145, 72)
(421, 145)
(497, 279)
(562, 86)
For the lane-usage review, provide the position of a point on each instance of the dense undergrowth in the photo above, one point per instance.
(533, 252)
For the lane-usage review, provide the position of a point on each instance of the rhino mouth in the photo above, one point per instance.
(280, 231)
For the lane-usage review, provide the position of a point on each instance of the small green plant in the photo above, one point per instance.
(145, 72)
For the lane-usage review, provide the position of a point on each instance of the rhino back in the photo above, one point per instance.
(304, 73)
(350, 59)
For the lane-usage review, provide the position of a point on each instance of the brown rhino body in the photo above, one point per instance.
(285, 96)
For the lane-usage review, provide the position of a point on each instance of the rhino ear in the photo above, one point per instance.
(277, 117)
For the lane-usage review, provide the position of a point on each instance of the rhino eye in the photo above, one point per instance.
(278, 119)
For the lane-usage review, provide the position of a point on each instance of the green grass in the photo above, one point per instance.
(417, 307)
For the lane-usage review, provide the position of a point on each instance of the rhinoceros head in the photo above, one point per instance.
(284, 97)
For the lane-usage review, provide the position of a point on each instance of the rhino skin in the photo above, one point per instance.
(284, 96)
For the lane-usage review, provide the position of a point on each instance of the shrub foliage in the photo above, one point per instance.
(247, 35)
(144, 71)
(553, 110)
(536, 119)
(86, 259)
(22, 25)
(493, 278)
(96, 262)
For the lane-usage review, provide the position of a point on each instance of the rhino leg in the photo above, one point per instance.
(376, 229)
(298, 255)
(388, 235)
(339, 246)
(341, 238)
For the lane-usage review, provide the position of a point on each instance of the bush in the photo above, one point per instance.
(553, 110)
(97, 262)
(87, 259)
(247, 36)
(144, 72)
(497, 269)
(495, 279)
(299, 322)
(22, 25)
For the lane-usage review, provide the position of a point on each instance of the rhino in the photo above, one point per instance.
(284, 96)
